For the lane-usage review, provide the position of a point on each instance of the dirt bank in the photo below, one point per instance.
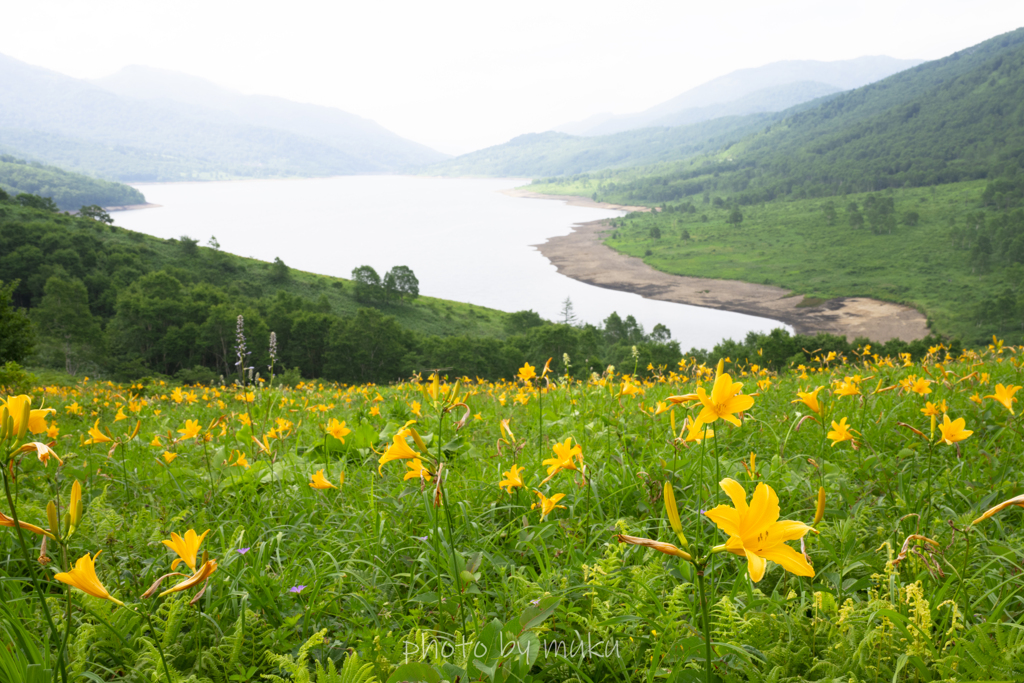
(582, 256)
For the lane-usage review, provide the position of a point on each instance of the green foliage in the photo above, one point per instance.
(68, 331)
(38, 183)
(17, 338)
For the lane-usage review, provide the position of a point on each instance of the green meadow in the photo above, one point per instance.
(718, 522)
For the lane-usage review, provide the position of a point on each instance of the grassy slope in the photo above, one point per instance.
(424, 315)
(790, 244)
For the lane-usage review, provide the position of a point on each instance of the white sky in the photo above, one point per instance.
(459, 76)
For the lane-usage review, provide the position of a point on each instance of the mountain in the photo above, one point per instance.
(84, 127)
(67, 190)
(772, 87)
(775, 98)
(200, 98)
(558, 154)
(953, 119)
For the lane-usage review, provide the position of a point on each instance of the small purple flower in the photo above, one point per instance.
(421, 538)
(242, 551)
(297, 589)
(535, 602)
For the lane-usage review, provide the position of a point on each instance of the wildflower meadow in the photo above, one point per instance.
(855, 518)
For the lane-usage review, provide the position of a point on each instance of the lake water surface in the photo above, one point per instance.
(464, 240)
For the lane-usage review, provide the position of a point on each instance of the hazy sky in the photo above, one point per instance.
(460, 76)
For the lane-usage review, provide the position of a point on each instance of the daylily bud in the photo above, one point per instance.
(26, 413)
(673, 514)
(418, 440)
(820, 512)
(4, 428)
(75, 505)
(51, 517)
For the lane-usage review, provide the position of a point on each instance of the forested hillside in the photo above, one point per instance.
(954, 119)
(68, 191)
(557, 154)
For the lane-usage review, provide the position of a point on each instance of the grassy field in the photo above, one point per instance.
(793, 244)
(520, 531)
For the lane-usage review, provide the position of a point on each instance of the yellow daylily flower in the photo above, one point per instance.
(547, 505)
(695, 432)
(1005, 395)
(201, 575)
(840, 432)
(398, 450)
(755, 532)
(83, 577)
(338, 429)
(187, 547)
(191, 430)
(97, 435)
(921, 386)
(18, 407)
(565, 456)
(527, 372)
(846, 387)
(724, 402)
(513, 479)
(810, 399)
(169, 457)
(319, 481)
(953, 431)
(416, 470)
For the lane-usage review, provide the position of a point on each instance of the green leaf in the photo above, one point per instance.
(534, 615)
(415, 672)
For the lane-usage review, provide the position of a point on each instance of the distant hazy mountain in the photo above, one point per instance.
(768, 88)
(202, 99)
(79, 125)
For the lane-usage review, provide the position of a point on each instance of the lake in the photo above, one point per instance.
(464, 240)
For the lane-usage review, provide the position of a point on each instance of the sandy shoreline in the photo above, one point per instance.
(583, 256)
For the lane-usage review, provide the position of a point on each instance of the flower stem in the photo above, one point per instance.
(159, 647)
(19, 532)
(707, 624)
